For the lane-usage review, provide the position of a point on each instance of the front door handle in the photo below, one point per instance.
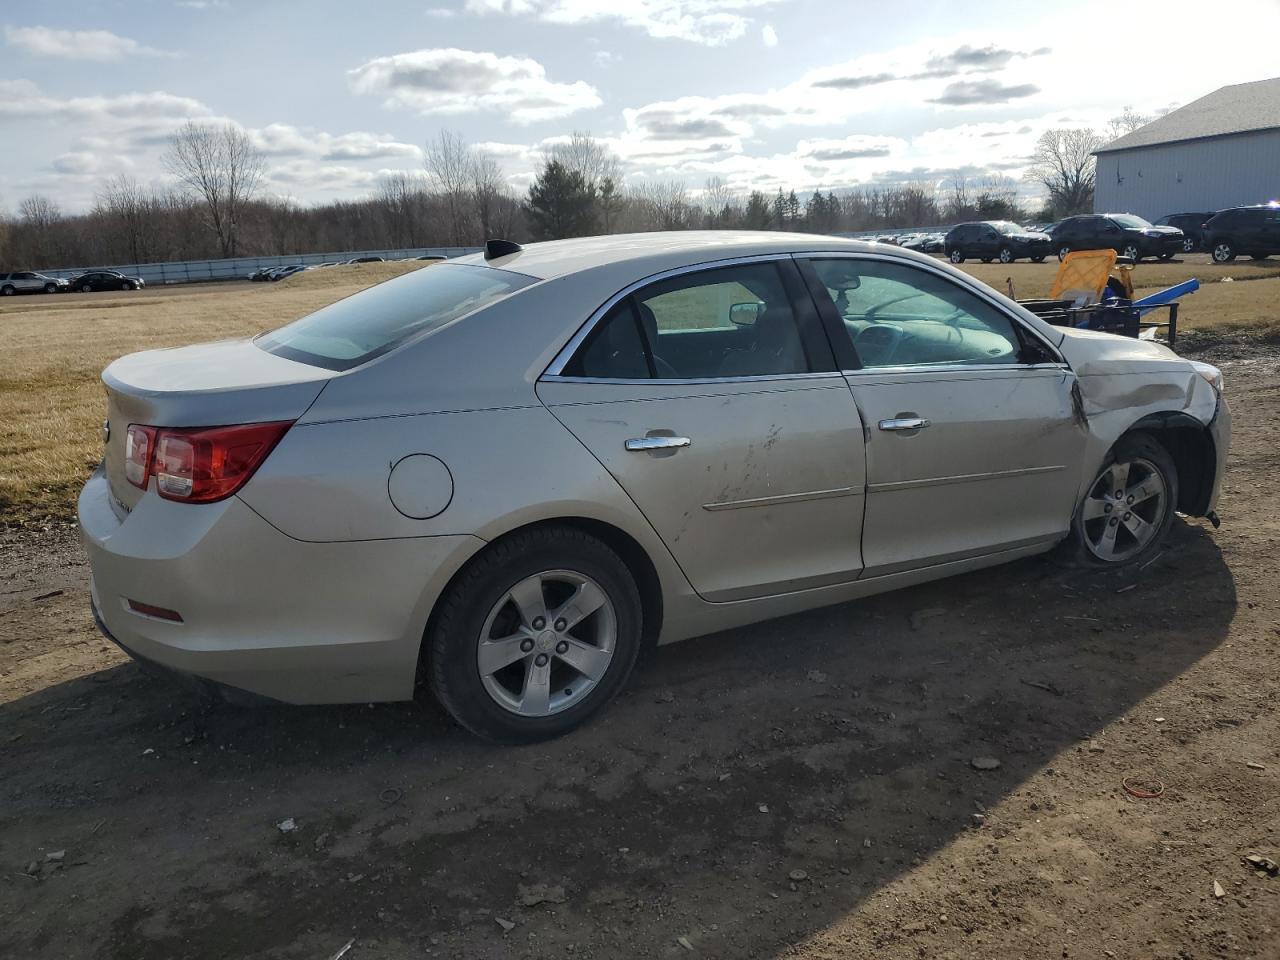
(648, 444)
(904, 423)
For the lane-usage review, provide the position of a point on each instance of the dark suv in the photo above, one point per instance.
(1124, 233)
(1191, 225)
(1251, 230)
(1001, 240)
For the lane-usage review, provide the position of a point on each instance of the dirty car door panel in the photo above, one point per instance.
(993, 463)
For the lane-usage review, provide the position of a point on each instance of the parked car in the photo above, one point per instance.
(911, 241)
(27, 281)
(261, 274)
(934, 243)
(97, 280)
(988, 240)
(329, 511)
(366, 260)
(1254, 231)
(1192, 227)
(279, 273)
(431, 256)
(1128, 235)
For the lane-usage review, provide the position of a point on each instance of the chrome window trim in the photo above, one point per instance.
(683, 381)
(954, 368)
(973, 287)
(556, 368)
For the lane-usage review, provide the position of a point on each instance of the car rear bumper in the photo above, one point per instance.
(262, 612)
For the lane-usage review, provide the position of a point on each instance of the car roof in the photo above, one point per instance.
(557, 258)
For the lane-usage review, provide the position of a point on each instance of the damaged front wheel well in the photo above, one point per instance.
(1191, 446)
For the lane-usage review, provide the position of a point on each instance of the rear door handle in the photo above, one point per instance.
(904, 423)
(645, 444)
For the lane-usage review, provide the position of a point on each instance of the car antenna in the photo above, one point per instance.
(500, 248)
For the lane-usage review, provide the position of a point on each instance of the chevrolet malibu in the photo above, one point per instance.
(502, 475)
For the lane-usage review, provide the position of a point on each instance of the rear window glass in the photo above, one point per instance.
(370, 323)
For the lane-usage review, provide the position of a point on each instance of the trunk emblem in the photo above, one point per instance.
(106, 430)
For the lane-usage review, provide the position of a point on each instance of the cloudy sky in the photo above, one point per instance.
(802, 93)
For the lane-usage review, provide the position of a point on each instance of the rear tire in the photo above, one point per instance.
(1109, 531)
(1188, 245)
(7, 290)
(1062, 253)
(536, 694)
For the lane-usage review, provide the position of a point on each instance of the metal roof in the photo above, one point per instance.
(1240, 108)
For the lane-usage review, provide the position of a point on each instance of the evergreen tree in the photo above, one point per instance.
(561, 203)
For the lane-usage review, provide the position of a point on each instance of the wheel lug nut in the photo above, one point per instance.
(526, 645)
(539, 622)
(1114, 521)
(561, 624)
(1129, 500)
(1127, 515)
(540, 660)
(1119, 494)
(1107, 508)
(562, 647)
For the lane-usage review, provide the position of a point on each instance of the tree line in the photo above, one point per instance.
(214, 206)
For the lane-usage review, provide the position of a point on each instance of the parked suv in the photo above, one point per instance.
(1001, 240)
(28, 282)
(1126, 234)
(1251, 230)
(1191, 225)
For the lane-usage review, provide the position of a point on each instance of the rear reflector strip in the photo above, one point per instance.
(160, 613)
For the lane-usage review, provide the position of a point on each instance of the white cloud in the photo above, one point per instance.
(22, 98)
(99, 45)
(458, 81)
(441, 13)
(850, 148)
(204, 4)
(769, 35)
(280, 139)
(710, 22)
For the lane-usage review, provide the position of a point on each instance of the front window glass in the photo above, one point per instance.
(374, 321)
(898, 315)
(1129, 220)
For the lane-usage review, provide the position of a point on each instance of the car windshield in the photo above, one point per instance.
(1007, 228)
(370, 323)
(1129, 220)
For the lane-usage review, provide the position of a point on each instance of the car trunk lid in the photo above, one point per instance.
(211, 384)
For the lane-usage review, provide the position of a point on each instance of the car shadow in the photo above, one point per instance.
(748, 791)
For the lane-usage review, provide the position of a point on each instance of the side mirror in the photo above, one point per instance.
(745, 314)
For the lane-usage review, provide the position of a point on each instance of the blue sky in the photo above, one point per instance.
(761, 93)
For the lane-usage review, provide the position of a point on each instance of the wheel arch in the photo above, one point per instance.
(629, 550)
(1191, 446)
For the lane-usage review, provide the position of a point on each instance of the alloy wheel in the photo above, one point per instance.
(546, 643)
(1188, 245)
(1222, 253)
(1062, 252)
(1124, 510)
(1006, 255)
(1131, 251)
(956, 257)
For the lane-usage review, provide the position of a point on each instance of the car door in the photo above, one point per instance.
(1270, 242)
(972, 437)
(25, 281)
(712, 397)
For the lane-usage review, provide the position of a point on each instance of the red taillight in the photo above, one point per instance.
(139, 444)
(201, 464)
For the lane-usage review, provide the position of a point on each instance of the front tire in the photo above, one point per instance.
(1223, 252)
(1006, 255)
(1132, 252)
(1188, 245)
(8, 290)
(1062, 253)
(955, 256)
(50, 288)
(85, 288)
(1128, 509)
(1038, 259)
(128, 285)
(537, 634)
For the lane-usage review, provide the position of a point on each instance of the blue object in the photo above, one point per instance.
(1167, 295)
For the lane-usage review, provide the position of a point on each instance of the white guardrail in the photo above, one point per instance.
(238, 268)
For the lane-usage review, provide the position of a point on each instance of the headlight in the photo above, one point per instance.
(1211, 374)
(1151, 233)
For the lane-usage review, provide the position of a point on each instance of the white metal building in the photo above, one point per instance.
(1222, 150)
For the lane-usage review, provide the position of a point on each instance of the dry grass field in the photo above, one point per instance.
(51, 401)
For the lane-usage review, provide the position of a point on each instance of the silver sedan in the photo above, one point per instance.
(501, 476)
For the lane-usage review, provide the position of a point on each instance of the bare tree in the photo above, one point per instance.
(449, 165)
(1127, 122)
(660, 205)
(584, 154)
(402, 198)
(487, 189)
(1063, 163)
(132, 215)
(221, 165)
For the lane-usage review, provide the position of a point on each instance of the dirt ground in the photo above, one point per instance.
(801, 788)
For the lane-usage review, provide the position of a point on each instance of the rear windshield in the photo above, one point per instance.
(367, 324)
(1007, 228)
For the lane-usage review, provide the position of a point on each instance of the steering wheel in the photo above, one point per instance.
(880, 342)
